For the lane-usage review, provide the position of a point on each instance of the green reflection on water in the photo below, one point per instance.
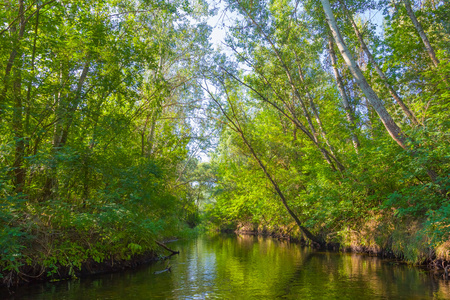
(248, 267)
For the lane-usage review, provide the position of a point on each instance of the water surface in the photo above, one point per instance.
(248, 267)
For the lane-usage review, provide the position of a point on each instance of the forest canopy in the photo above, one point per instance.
(328, 120)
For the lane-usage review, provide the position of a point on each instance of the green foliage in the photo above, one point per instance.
(95, 106)
(287, 95)
(98, 141)
(438, 224)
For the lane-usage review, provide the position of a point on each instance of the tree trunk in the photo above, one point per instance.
(392, 128)
(167, 248)
(383, 77)
(314, 110)
(73, 106)
(234, 125)
(305, 230)
(293, 118)
(64, 115)
(151, 135)
(325, 154)
(30, 81)
(422, 34)
(390, 125)
(345, 102)
(17, 122)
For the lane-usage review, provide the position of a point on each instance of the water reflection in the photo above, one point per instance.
(248, 267)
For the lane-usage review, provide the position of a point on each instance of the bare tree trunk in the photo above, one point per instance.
(345, 102)
(305, 231)
(390, 125)
(422, 34)
(383, 77)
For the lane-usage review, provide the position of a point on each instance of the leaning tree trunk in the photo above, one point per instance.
(293, 118)
(73, 106)
(65, 114)
(314, 109)
(345, 101)
(305, 231)
(422, 34)
(235, 126)
(390, 125)
(383, 77)
(325, 154)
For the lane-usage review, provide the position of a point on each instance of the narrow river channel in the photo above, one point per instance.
(248, 267)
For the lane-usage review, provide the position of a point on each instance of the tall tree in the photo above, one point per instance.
(345, 101)
(234, 122)
(393, 129)
(383, 77)
(421, 33)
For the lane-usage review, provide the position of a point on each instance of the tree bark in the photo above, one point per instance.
(167, 248)
(422, 34)
(345, 101)
(305, 230)
(383, 77)
(390, 125)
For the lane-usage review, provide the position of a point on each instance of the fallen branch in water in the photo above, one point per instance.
(167, 269)
(162, 271)
(167, 248)
(168, 256)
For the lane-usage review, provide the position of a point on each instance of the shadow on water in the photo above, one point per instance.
(251, 267)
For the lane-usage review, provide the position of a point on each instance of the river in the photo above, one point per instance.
(249, 267)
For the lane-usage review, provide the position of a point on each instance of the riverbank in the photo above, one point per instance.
(365, 242)
(55, 240)
(28, 274)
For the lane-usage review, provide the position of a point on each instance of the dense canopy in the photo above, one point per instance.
(326, 120)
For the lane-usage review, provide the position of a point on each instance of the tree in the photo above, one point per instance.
(235, 123)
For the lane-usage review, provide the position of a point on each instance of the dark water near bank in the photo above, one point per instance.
(247, 267)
